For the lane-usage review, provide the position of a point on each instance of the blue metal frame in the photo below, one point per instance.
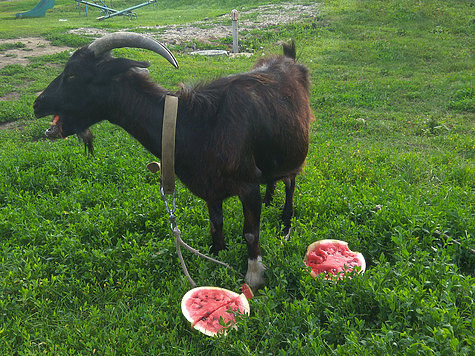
(109, 11)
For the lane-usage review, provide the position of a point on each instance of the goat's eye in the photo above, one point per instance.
(70, 77)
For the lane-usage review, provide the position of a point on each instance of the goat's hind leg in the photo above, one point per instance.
(270, 189)
(251, 203)
(215, 210)
(288, 210)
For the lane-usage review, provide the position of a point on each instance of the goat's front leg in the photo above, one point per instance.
(251, 203)
(215, 210)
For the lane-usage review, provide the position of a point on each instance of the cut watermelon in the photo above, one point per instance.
(332, 257)
(247, 291)
(210, 309)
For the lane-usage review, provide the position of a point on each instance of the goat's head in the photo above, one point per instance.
(86, 77)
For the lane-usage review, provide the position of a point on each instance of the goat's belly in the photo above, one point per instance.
(220, 184)
(282, 169)
(211, 188)
(281, 159)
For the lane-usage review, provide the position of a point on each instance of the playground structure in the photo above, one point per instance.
(108, 11)
(38, 11)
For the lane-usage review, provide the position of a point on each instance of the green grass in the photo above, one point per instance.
(88, 264)
(161, 13)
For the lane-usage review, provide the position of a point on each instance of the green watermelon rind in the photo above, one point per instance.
(315, 245)
(243, 307)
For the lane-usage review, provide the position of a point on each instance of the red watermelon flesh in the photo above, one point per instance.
(247, 291)
(332, 257)
(208, 308)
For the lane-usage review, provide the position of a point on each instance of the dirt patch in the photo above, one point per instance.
(10, 96)
(31, 47)
(207, 30)
(204, 31)
(12, 125)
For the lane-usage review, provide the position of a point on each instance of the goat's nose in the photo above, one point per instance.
(36, 103)
(35, 107)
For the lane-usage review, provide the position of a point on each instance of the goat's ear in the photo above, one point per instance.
(118, 66)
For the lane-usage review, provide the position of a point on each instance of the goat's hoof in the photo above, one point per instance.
(286, 231)
(255, 274)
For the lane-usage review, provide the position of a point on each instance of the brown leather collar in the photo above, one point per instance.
(168, 144)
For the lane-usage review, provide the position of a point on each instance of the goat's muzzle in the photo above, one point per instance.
(54, 131)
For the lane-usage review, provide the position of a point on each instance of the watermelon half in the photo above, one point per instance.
(333, 258)
(210, 309)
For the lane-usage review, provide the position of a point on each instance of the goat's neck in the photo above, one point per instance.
(143, 121)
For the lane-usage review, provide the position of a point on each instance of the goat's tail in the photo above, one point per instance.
(289, 49)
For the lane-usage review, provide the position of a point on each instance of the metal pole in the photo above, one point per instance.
(234, 18)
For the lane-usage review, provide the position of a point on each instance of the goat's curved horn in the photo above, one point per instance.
(133, 40)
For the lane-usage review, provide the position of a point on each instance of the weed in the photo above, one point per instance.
(88, 265)
(7, 46)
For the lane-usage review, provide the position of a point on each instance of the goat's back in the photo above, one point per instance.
(255, 125)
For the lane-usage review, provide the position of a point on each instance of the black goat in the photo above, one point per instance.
(232, 134)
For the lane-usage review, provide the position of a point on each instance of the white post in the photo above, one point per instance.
(234, 17)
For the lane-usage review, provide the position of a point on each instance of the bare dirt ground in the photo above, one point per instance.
(216, 28)
(201, 31)
(33, 46)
